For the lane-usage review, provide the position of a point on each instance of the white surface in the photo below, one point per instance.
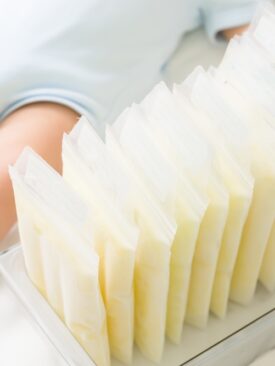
(20, 343)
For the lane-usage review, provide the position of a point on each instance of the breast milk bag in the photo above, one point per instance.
(267, 272)
(191, 155)
(261, 214)
(263, 27)
(157, 234)
(176, 196)
(83, 169)
(48, 212)
(217, 125)
(246, 67)
(150, 269)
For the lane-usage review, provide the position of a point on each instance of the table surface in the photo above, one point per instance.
(20, 342)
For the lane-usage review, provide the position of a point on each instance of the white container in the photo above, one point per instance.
(243, 335)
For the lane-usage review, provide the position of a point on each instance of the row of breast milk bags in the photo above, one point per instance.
(170, 217)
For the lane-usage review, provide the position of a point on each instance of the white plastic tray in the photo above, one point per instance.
(244, 334)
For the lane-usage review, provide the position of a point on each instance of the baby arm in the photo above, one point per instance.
(231, 32)
(40, 126)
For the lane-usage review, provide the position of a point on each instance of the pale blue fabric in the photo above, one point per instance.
(97, 56)
(219, 15)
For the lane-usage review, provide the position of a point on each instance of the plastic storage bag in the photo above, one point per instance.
(52, 263)
(192, 156)
(247, 68)
(176, 196)
(267, 272)
(261, 214)
(217, 125)
(84, 168)
(153, 258)
(263, 27)
(47, 208)
(97, 158)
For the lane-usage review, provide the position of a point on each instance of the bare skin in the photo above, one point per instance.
(40, 126)
(229, 33)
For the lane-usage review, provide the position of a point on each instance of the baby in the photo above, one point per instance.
(63, 58)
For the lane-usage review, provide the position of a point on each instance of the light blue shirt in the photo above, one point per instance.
(97, 56)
